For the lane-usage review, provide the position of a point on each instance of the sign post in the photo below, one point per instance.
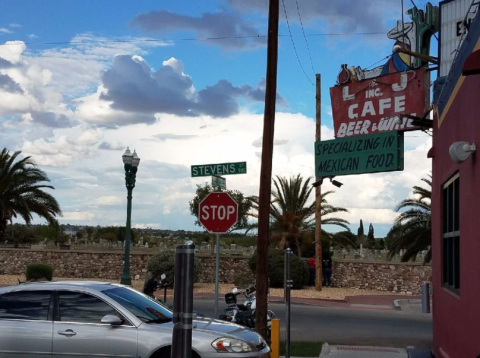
(218, 212)
(219, 182)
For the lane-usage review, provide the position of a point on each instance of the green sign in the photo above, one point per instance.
(219, 182)
(219, 169)
(380, 152)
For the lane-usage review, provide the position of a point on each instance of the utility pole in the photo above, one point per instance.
(318, 195)
(266, 170)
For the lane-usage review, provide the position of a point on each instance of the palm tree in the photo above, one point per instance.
(21, 193)
(292, 215)
(412, 230)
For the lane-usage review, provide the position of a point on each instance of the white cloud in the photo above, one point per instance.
(77, 216)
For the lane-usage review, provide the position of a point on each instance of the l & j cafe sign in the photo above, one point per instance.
(376, 105)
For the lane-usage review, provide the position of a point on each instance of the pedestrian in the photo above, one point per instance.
(311, 267)
(327, 270)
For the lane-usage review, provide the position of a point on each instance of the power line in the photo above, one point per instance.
(293, 43)
(191, 39)
(306, 42)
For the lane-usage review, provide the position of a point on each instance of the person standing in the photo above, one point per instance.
(311, 267)
(327, 270)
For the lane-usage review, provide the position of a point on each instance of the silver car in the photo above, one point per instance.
(98, 319)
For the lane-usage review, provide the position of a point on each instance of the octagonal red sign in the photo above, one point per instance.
(218, 212)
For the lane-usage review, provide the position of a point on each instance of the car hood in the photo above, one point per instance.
(226, 328)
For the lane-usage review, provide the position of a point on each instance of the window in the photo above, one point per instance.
(451, 235)
(82, 308)
(29, 305)
(141, 306)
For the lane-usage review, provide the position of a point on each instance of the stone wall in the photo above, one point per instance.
(392, 277)
(107, 265)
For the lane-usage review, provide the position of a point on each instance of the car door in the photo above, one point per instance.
(78, 331)
(25, 324)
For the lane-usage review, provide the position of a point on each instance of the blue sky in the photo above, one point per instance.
(183, 84)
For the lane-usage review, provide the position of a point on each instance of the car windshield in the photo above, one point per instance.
(140, 305)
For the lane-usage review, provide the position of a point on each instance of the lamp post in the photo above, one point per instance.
(131, 162)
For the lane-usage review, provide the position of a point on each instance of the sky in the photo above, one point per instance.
(183, 83)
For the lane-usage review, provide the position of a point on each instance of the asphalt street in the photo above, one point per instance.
(347, 326)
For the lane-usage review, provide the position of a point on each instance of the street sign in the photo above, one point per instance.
(381, 152)
(218, 212)
(219, 182)
(379, 104)
(207, 170)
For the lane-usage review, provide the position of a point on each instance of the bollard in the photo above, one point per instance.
(183, 301)
(288, 287)
(425, 297)
(275, 337)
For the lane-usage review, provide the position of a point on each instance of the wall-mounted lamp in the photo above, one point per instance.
(460, 151)
(318, 183)
(335, 182)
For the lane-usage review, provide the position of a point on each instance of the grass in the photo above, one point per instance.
(302, 349)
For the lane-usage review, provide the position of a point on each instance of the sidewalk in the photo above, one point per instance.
(374, 302)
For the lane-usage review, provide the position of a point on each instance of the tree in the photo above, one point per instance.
(22, 192)
(412, 230)
(360, 231)
(244, 205)
(371, 237)
(292, 216)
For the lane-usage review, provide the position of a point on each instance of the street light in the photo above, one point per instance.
(131, 162)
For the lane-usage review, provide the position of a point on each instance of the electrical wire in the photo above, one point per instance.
(306, 42)
(191, 39)
(293, 43)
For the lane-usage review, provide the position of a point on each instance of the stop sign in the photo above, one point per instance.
(218, 212)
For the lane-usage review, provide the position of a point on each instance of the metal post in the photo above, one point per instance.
(126, 279)
(425, 297)
(288, 286)
(178, 303)
(187, 319)
(217, 270)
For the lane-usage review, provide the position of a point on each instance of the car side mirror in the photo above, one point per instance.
(112, 320)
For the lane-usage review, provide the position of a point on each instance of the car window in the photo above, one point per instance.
(140, 305)
(31, 305)
(82, 308)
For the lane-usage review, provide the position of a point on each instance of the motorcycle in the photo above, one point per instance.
(244, 313)
(152, 284)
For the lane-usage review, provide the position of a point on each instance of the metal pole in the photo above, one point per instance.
(187, 320)
(178, 303)
(425, 297)
(217, 270)
(288, 286)
(318, 195)
(126, 279)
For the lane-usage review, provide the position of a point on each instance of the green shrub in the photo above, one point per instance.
(244, 280)
(37, 271)
(298, 269)
(164, 262)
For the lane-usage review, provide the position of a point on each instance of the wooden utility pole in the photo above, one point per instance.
(318, 196)
(266, 170)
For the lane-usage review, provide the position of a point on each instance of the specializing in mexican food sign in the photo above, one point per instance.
(376, 105)
(380, 152)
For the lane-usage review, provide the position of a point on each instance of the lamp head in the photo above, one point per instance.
(318, 183)
(336, 183)
(135, 159)
(127, 157)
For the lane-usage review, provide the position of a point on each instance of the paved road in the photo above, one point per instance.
(348, 326)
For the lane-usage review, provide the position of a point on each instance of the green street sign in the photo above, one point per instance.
(379, 152)
(219, 182)
(207, 170)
